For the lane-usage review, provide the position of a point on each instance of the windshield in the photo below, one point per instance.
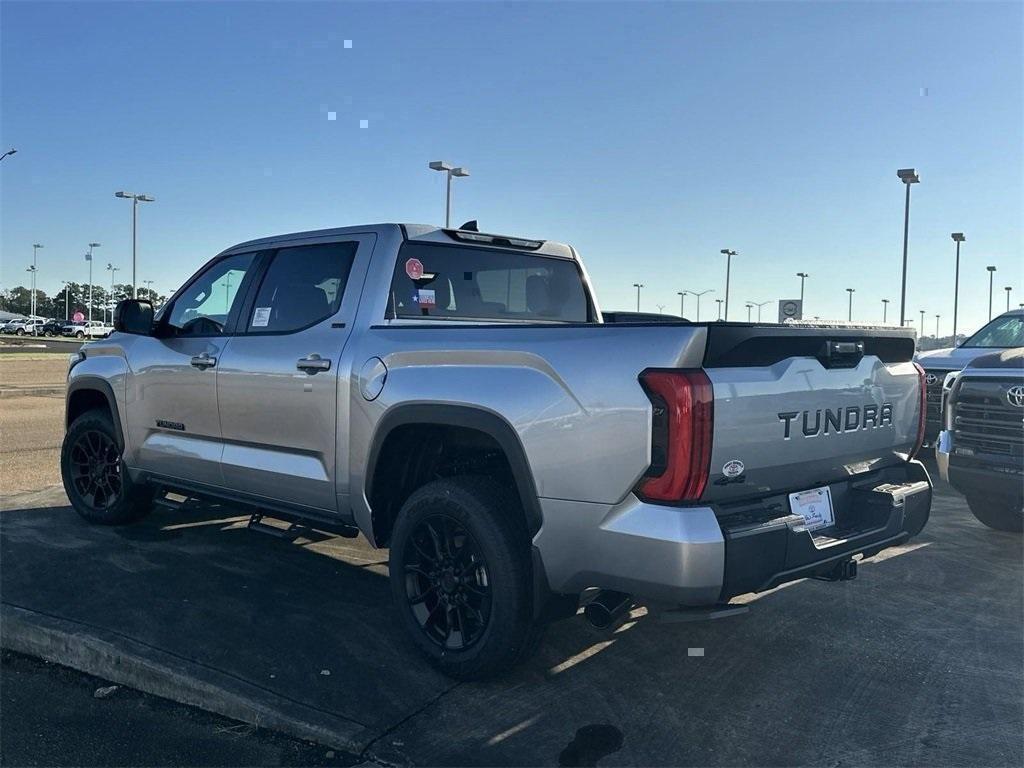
(1000, 333)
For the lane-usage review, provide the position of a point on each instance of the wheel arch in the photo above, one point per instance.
(88, 392)
(465, 417)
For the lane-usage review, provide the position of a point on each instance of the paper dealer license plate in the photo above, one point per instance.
(814, 506)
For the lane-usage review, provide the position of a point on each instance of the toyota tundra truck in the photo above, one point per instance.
(456, 397)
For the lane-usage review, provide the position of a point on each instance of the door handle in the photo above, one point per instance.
(313, 364)
(204, 361)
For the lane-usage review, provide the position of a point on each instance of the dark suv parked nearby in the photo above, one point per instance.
(51, 328)
(981, 449)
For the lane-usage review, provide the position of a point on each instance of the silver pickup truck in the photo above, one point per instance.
(456, 397)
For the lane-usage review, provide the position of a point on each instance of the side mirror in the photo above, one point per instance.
(134, 316)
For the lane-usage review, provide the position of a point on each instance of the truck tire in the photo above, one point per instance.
(460, 577)
(80, 335)
(94, 474)
(996, 513)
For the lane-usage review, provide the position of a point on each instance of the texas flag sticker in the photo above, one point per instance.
(425, 297)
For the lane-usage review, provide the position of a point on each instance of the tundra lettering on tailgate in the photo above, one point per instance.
(849, 419)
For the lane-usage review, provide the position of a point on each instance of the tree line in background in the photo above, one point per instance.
(19, 300)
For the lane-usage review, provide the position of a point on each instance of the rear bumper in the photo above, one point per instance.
(704, 555)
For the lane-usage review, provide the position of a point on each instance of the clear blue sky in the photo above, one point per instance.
(650, 136)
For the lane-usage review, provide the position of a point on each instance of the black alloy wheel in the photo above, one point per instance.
(95, 468)
(447, 583)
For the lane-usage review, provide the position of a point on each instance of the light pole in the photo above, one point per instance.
(920, 332)
(35, 268)
(885, 310)
(803, 276)
(88, 257)
(991, 272)
(149, 288)
(32, 300)
(749, 307)
(136, 199)
(682, 302)
(908, 176)
(67, 299)
(849, 314)
(440, 165)
(112, 269)
(638, 286)
(728, 265)
(1008, 289)
(698, 294)
(958, 237)
(661, 309)
(937, 327)
(719, 302)
(11, 151)
(759, 305)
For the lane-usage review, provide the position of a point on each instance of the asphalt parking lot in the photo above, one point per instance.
(918, 661)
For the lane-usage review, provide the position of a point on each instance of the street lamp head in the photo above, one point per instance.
(958, 237)
(1008, 288)
(94, 245)
(851, 290)
(802, 274)
(908, 175)
(122, 193)
(885, 301)
(440, 165)
(727, 252)
(991, 269)
(460, 172)
(145, 199)
(638, 285)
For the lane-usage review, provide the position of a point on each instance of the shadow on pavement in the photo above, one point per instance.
(917, 661)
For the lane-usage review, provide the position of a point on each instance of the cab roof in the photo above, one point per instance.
(430, 233)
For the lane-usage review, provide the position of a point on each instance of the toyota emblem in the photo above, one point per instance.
(1015, 396)
(930, 379)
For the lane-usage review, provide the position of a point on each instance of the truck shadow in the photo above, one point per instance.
(918, 660)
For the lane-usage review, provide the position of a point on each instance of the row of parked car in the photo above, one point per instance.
(40, 326)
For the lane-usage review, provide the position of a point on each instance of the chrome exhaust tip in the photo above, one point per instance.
(608, 609)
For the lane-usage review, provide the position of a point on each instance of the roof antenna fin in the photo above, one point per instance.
(470, 226)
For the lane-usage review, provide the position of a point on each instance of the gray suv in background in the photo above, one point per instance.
(456, 397)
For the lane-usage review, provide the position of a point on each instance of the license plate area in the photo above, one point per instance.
(815, 507)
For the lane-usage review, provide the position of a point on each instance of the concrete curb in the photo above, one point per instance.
(134, 664)
(32, 391)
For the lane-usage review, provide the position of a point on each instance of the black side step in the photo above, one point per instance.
(292, 532)
(162, 500)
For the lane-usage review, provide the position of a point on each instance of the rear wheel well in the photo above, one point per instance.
(413, 455)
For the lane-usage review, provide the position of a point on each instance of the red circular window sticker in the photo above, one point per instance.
(414, 268)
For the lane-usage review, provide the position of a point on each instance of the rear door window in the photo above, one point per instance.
(453, 282)
(302, 287)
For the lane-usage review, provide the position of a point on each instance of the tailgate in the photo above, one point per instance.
(801, 407)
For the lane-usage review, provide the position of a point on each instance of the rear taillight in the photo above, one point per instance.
(923, 415)
(680, 435)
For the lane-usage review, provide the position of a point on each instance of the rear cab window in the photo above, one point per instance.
(452, 282)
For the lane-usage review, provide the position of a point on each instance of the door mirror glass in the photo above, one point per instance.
(134, 316)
